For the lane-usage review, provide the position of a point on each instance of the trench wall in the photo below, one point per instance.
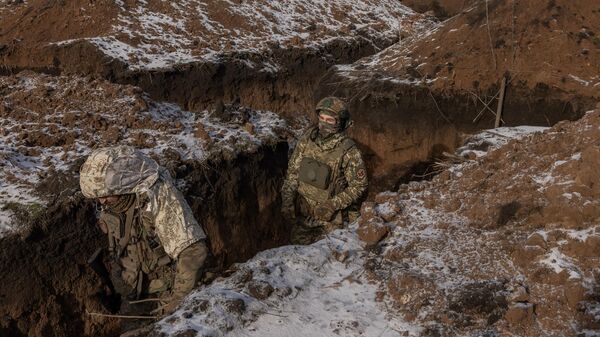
(399, 127)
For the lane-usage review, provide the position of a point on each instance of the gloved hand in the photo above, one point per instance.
(325, 211)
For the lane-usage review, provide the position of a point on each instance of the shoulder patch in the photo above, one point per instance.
(361, 174)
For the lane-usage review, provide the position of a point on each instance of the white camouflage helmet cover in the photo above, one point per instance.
(117, 170)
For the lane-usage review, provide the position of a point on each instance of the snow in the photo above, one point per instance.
(491, 139)
(151, 35)
(319, 290)
(557, 261)
(166, 125)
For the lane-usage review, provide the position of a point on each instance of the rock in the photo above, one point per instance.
(372, 232)
(520, 314)
(574, 292)
(384, 197)
(523, 256)
(260, 289)
(388, 210)
(519, 294)
(367, 210)
(249, 127)
(201, 133)
(237, 306)
(536, 239)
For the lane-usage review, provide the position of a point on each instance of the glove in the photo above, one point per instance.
(325, 211)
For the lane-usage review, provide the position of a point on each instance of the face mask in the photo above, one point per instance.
(328, 125)
(326, 130)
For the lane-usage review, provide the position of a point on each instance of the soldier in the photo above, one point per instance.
(326, 176)
(151, 230)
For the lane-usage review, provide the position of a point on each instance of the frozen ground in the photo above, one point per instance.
(323, 289)
(48, 123)
(316, 290)
(157, 35)
(483, 142)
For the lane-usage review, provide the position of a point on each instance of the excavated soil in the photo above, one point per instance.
(197, 54)
(411, 103)
(503, 245)
(431, 86)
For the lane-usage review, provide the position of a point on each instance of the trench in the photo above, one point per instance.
(401, 130)
(47, 286)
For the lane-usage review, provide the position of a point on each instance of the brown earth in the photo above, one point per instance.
(504, 245)
(443, 9)
(431, 87)
(251, 65)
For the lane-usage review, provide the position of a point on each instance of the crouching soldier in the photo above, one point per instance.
(152, 233)
(326, 176)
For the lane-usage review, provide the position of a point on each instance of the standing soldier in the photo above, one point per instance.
(326, 176)
(151, 230)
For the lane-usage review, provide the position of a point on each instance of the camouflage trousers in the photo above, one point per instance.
(307, 230)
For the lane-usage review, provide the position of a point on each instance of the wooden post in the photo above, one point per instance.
(500, 102)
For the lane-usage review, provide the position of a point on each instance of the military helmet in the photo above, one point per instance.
(337, 108)
(117, 170)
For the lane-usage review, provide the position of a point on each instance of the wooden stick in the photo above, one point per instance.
(485, 105)
(500, 102)
(120, 316)
(146, 300)
(487, 18)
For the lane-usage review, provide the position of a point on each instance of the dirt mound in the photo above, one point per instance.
(547, 44)
(154, 34)
(501, 245)
(266, 56)
(48, 122)
(445, 79)
(442, 9)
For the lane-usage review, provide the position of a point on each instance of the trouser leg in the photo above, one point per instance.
(306, 231)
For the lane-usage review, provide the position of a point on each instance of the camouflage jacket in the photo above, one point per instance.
(348, 179)
(124, 170)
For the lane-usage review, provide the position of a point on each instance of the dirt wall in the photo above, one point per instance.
(400, 126)
(281, 80)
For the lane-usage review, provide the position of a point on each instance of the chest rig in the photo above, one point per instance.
(320, 173)
(134, 243)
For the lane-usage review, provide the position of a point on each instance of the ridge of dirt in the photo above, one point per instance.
(502, 245)
(435, 84)
(199, 53)
(49, 122)
(552, 44)
(442, 9)
(156, 34)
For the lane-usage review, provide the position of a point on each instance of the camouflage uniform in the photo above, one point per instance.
(152, 225)
(341, 193)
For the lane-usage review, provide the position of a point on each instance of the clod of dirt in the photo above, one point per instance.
(237, 306)
(260, 290)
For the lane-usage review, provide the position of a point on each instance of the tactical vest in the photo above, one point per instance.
(320, 174)
(133, 242)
